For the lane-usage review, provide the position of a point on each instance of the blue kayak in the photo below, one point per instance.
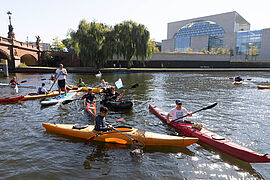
(58, 99)
(13, 86)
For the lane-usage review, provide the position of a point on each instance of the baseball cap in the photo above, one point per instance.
(178, 101)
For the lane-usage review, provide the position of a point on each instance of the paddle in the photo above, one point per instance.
(98, 134)
(132, 87)
(23, 81)
(70, 100)
(205, 108)
(243, 79)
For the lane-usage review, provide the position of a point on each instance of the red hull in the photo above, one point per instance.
(91, 108)
(12, 99)
(214, 140)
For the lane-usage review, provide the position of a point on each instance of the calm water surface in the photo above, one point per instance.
(27, 151)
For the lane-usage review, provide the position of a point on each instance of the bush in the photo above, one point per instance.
(22, 65)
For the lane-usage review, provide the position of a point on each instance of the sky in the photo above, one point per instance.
(54, 18)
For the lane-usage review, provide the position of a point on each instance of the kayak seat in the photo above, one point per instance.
(217, 137)
(79, 126)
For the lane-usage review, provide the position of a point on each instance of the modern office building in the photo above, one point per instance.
(227, 30)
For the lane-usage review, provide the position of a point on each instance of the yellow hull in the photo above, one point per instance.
(51, 94)
(95, 90)
(148, 138)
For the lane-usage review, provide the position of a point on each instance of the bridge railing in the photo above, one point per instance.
(7, 41)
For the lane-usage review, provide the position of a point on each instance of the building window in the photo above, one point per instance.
(201, 28)
(248, 39)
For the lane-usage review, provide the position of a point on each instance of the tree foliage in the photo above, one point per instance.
(57, 45)
(96, 43)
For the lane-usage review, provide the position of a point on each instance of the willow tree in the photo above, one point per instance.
(89, 43)
(132, 41)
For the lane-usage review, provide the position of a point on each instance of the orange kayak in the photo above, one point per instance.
(263, 87)
(148, 138)
(91, 108)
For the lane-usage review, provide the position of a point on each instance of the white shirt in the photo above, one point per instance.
(61, 76)
(175, 113)
(103, 85)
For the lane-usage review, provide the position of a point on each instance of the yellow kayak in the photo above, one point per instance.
(32, 96)
(95, 90)
(148, 138)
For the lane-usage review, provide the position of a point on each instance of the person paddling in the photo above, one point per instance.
(103, 84)
(100, 120)
(113, 95)
(238, 79)
(42, 89)
(90, 96)
(61, 73)
(177, 112)
(80, 83)
(13, 81)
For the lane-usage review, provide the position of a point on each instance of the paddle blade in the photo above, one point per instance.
(135, 85)
(16, 88)
(211, 106)
(118, 120)
(23, 81)
(90, 139)
(43, 79)
(67, 101)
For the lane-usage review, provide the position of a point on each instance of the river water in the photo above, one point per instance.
(27, 151)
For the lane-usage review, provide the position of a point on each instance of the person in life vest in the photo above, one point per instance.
(42, 89)
(13, 81)
(90, 96)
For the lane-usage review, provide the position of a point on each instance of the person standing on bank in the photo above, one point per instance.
(61, 73)
(177, 112)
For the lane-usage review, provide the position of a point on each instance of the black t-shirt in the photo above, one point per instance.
(89, 97)
(100, 124)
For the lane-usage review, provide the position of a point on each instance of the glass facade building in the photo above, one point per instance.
(213, 31)
(247, 39)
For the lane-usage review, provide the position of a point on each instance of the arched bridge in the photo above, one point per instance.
(17, 52)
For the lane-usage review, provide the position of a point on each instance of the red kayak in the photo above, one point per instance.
(214, 140)
(11, 99)
(91, 108)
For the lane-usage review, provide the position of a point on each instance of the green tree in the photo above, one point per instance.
(253, 51)
(89, 43)
(57, 45)
(204, 51)
(132, 41)
(212, 51)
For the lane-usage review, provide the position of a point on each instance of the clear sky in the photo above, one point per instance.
(53, 18)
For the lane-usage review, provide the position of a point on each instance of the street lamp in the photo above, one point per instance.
(11, 34)
(9, 15)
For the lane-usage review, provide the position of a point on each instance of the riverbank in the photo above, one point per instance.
(131, 70)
